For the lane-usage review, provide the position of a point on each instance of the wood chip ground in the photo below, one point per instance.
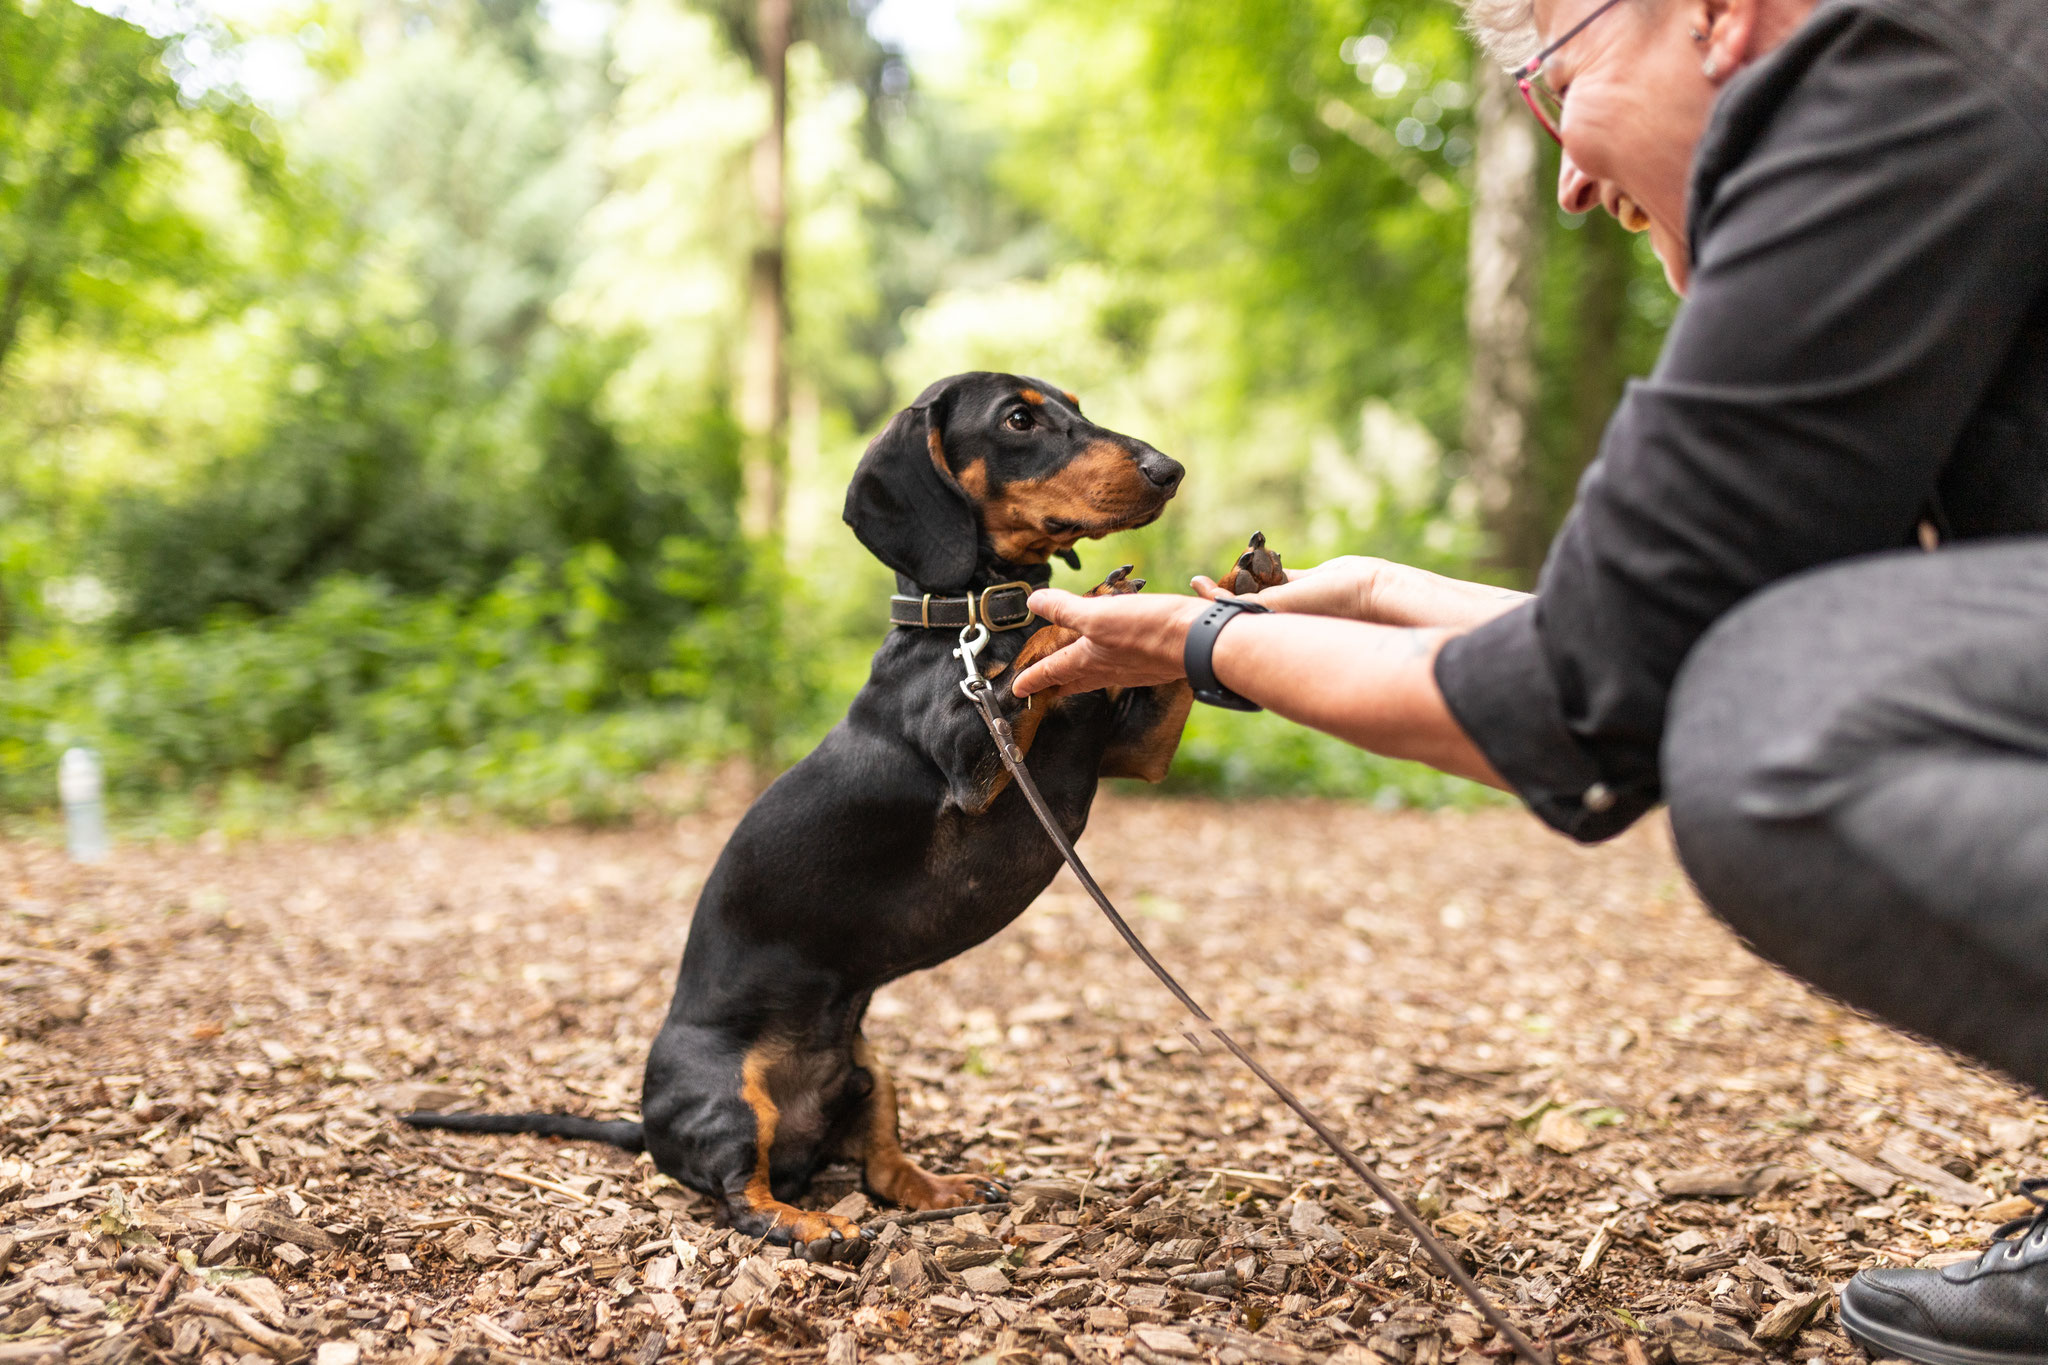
(1652, 1147)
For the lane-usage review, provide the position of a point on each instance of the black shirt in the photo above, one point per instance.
(1865, 346)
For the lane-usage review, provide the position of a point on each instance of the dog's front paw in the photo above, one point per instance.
(843, 1250)
(972, 1188)
(910, 1185)
(1258, 567)
(817, 1236)
(954, 1191)
(1117, 584)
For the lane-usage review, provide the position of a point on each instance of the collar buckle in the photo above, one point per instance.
(979, 606)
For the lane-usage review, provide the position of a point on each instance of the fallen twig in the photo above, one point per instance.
(517, 1177)
(936, 1215)
(157, 1295)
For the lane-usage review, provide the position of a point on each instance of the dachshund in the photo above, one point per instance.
(899, 842)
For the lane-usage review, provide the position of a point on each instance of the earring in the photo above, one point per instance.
(1698, 36)
(1711, 69)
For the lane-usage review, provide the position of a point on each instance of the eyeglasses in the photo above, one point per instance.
(1545, 103)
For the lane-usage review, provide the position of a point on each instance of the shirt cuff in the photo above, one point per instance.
(1500, 690)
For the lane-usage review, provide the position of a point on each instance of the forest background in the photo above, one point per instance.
(445, 405)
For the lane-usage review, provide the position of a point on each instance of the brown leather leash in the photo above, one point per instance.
(981, 692)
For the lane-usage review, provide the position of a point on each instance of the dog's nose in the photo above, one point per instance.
(1163, 471)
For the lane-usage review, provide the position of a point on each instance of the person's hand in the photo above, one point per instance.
(1344, 586)
(1379, 591)
(1130, 640)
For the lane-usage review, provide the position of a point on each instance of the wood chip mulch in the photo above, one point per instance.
(1649, 1145)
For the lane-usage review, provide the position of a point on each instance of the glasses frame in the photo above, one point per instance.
(1532, 72)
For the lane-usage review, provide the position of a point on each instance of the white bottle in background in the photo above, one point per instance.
(85, 813)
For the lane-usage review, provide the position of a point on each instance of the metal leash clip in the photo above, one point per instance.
(973, 639)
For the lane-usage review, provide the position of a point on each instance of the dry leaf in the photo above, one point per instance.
(1560, 1132)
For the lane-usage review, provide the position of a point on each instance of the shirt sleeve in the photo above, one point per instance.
(1868, 223)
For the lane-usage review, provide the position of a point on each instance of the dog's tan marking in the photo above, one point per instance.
(1048, 640)
(1100, 491)
(1033, 397)
(889, 1173)
(939, 456)
(759, 1195)
(974, 479)
(1068, 394)
(754, 1068)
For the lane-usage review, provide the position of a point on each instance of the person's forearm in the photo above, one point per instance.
(1358, 588)
(1369, 685)
(1407, 596)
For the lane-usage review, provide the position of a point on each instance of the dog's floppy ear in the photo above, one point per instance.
(906, 506)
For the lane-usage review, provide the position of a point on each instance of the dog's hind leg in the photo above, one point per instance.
(894, 1176)
(714, 1127)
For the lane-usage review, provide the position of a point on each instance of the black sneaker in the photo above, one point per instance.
(1990, 1311)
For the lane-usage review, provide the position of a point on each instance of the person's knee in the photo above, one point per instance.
(1795, 817)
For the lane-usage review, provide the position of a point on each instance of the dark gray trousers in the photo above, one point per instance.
(1857, 766)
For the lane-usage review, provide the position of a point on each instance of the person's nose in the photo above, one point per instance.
(1577, 192)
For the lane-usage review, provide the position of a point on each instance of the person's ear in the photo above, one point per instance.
(1725, 32)
(905, 505)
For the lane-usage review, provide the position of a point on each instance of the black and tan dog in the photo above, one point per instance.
(899, 842)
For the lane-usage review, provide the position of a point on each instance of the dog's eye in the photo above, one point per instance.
(1019, 420)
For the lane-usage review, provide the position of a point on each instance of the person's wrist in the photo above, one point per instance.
(1198, 652)
(1176, 644)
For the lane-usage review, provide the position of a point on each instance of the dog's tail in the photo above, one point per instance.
(618, 1132)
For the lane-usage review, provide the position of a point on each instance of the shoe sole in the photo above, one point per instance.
(1894, 1341)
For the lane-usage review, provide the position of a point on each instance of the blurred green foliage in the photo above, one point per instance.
(88, 116)
(375, 701)
(367, 366)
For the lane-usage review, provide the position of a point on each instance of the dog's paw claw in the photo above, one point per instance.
(1117, 584)
(804, 1233)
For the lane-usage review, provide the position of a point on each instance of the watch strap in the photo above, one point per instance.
(1197, 655)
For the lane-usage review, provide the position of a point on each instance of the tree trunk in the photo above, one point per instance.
(12, 304)
(1500, 288)
(764, 364)
(1609, 256)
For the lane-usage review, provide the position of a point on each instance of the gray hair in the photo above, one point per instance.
(1506, 29)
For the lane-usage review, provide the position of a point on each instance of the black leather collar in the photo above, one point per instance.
(1000, 607)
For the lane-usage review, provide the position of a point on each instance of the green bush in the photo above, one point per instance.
(346, 480)
(377, 701)
(1229, 753)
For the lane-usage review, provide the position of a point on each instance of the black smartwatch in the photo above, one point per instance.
(1195, 656)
